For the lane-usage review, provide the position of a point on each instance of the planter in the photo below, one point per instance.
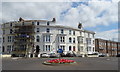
(59, 62)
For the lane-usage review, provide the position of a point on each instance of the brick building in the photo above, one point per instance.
(107, 47)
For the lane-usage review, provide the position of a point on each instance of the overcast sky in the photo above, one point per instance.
(100, 16)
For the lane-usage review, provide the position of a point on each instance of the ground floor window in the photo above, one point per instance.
(9, 48)
(81, 48)
(61, 47)
(88, 48)
(73, 48)
(69, 48)
(78, 48)
(3, 49)
(46, 47)
(37, 49)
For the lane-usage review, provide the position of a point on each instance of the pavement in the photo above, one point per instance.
(100, 63)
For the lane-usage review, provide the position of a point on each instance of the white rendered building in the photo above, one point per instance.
(33, 37)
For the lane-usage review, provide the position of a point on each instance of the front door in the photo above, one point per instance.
(37, 50)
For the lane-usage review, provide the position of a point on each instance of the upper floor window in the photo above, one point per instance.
(47, 30)
(22, 23)
(37, 38)
(70, 32)
(62, 31)
(0, 40)
(10, 31)
(93, 35)
(32, 23)
(3, 31)
(4, 25)
(43, 47)
(73, 40)
(88, 34)
(88, 40)
(81, 48)
(93, 42)
(81, 39)
(93, 49)
(8, 38)
(3, 39)
(47, 38)
(80, 33)
(70, 40)
(73, 32)
(62, 39)
(48, 23)
(37, 29)
(37, 23)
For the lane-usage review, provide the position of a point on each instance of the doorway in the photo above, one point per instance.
(37, 50)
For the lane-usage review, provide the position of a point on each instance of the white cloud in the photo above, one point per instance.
(108, 35)
(12, 11)
(88, 14)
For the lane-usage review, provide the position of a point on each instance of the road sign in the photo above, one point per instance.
(60, 51)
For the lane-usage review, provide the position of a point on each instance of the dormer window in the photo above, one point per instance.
(73, 32)
(11, 24)
(70, 32)
(22, 23)
(62, 31)
(32, 23)
(37, 23)
(48, 23)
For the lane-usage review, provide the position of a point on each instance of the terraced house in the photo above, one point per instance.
(33, 37)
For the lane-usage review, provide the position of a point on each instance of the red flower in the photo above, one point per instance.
(60, 61)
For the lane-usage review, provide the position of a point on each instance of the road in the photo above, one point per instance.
(102, 63)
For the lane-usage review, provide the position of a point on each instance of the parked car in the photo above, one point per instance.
(17, 55)
(93, 55)
(44, 55)
(63, 55)
(101, 55)
(53, 55)
(70, 55)
(79, 55)
(118, 55)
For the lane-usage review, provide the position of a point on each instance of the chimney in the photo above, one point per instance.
(80, 25)
(54, 20)
(21, 19)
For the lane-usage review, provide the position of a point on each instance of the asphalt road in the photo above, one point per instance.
(102, 63)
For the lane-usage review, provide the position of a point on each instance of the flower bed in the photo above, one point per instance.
(59, 61)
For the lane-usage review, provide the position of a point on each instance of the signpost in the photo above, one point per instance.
(60, 51)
